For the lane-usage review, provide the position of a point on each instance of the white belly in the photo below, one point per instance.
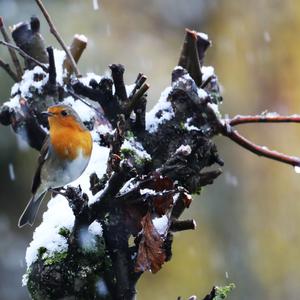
(58, 176)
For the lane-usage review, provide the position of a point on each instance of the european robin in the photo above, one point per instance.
(64, 156)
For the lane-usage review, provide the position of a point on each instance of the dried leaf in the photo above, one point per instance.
(158, 183)
(187, 199)
(163, 202)
(151, 254)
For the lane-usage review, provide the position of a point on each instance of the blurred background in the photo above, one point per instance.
(249, 220)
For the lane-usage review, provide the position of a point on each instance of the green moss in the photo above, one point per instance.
(127, 152)
(130, 153)
(198, 191)
(65, 232)
(182, 126)
(56, 258)
(41, 251)
(129, 134)
(224, 291)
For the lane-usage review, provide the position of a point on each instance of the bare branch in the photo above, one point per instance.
(189, 58)
(139, 82)
(77, 47)
(178, 225)
(132, 104)
(238, 120)
(11, 51)
(58, 37)
(228, 131)
(9, 71)
(24, 54)
(52, 69)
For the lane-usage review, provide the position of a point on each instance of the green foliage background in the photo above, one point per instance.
(248, 221)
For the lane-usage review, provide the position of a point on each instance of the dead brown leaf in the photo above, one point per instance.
(151, 254)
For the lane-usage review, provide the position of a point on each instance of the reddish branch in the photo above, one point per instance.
(228, 130)
(238, 120)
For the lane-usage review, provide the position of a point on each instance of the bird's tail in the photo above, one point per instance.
(30, 212)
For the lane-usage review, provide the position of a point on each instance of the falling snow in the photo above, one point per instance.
(11, 171)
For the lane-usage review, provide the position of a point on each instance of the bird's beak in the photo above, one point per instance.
(47, 113)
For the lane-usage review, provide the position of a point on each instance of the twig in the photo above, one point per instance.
(9, 71)
(178, 225)
(52, 69)
(238, 120)
(138, 83)
(77, 47)
(133, 103)
(228, 131)
(11, 51)
(117, 72)
(58, 37)
(24, 54)
(140, 116)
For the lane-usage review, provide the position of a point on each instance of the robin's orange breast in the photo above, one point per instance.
(68, 142)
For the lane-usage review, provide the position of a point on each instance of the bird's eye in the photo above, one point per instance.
(64, 113)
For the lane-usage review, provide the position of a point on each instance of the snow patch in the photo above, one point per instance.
(24, 279)
(59, 215)
(136, 147)
(129, 185)
(167, 113)
(184, 149)
(203, 35)
(95, 228)
(81, 37)
(207, 72)
(59, 57)
(201, 93)
(85, 112)
(161, 224)
(189, 127)
(147, 191)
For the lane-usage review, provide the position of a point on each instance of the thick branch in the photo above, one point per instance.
(58, 37)
(189, 58)
(117, 72)
(77, 47)
(52, 69)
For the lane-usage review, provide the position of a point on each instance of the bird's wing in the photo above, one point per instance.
(41, 160)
